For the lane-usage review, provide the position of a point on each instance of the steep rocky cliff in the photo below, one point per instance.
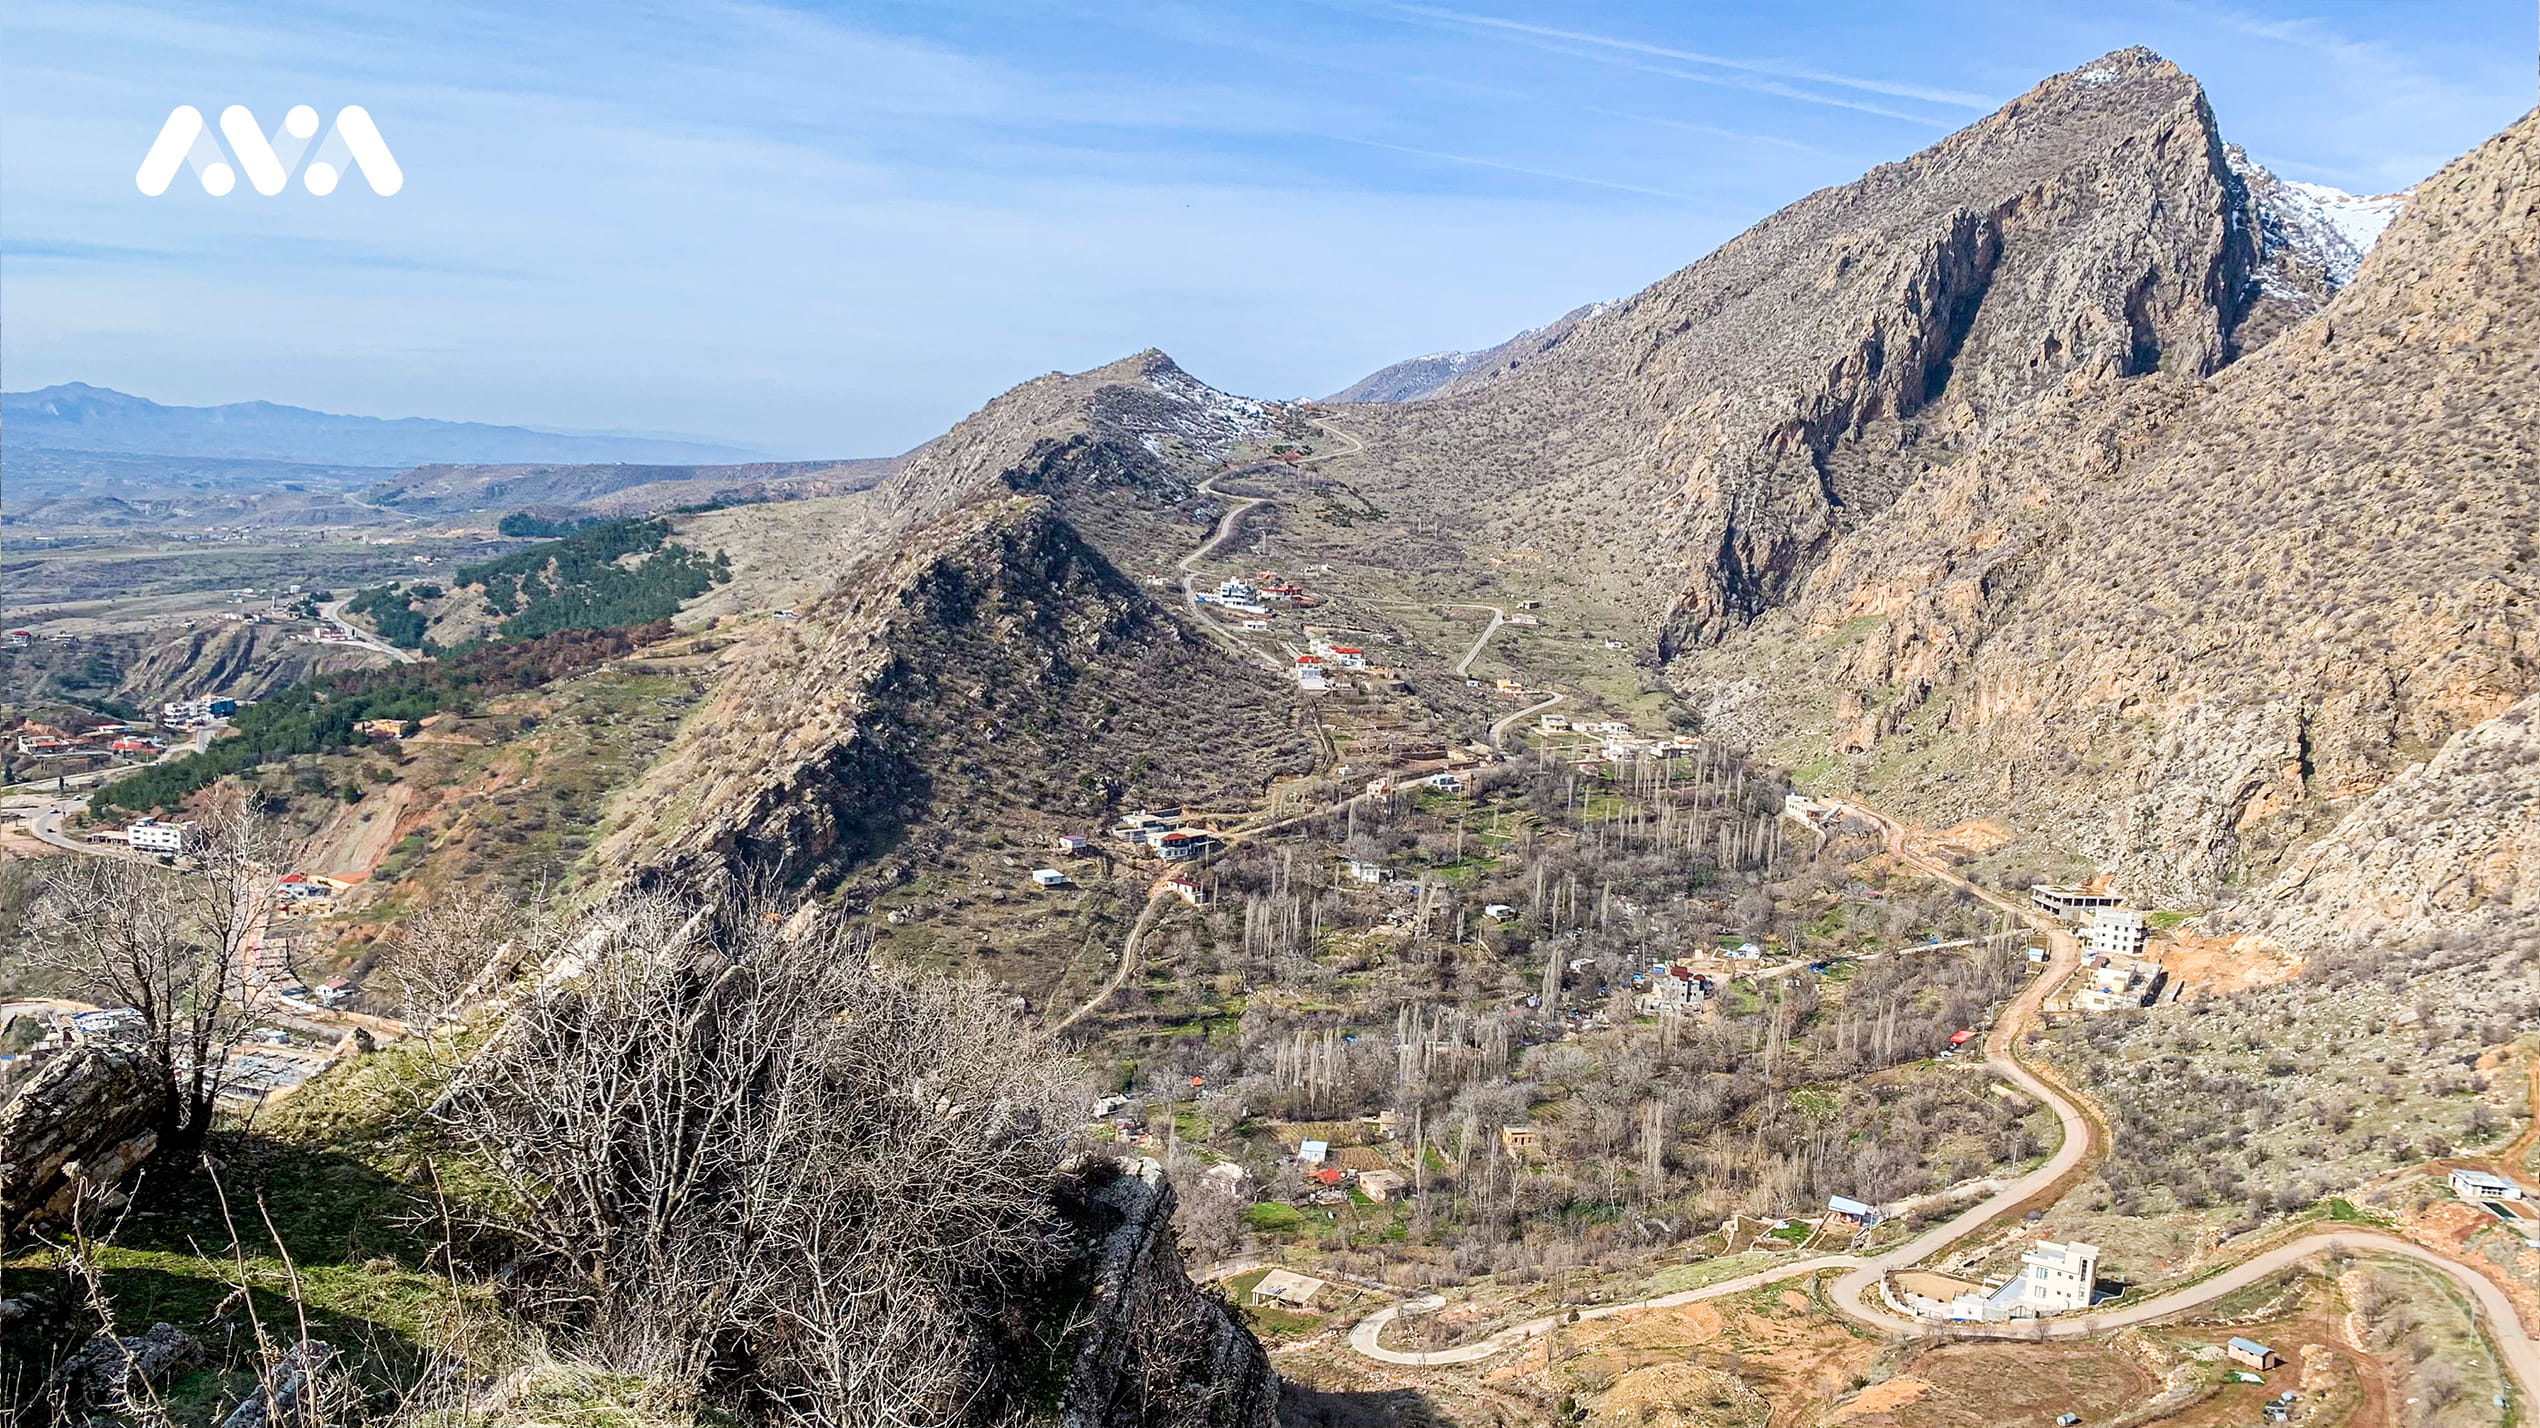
(2448, 847)
(1694, 452)
(2184, 624)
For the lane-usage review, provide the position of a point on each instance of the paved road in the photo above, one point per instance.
(1225, 527)
(46, 825)
(1499, 729)
(49, 1006)
(1498, 617)
(332, 613)
(2519, 1351)
(1854, 1293)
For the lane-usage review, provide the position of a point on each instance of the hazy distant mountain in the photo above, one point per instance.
(34, 470)
(618, 487)
(79, 417)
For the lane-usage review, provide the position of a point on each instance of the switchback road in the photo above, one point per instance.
(1854, 1294)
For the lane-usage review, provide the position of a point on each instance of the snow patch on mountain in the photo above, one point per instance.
(1190, 412)
(1415, 377)
(2331, 228)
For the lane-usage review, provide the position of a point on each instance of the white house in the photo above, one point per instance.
(2480, 1185)
(197, 711)
(2053, 1279)
(1049, 877)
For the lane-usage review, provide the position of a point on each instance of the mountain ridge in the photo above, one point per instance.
(2313, 226)
(2119, 617)
(75, 416)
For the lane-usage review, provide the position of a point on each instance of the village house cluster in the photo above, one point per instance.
(1251, 599)
(2117, 970)
(1324, 658)
(1162, 833)
(46, 741)
(1593, 744)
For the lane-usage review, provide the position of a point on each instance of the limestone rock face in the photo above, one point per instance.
(2190, 624)
(1694, 452)
(1156, 1348)
(2075, 468)
(2448, 847)
(76, 1127)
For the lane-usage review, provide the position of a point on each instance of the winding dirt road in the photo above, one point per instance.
(1224, 528)
(1499, 727)
(1855, 1293)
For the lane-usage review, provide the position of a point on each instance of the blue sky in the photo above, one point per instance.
(835, 229)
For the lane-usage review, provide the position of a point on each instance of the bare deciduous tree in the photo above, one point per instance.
(462, 943)
(725, 1153)
(176, 945)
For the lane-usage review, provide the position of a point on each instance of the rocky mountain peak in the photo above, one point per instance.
(1139, 421)
(1718, 430)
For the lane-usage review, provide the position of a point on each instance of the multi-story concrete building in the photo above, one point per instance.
(152, 836)
(2063, 900)
(2115, 932)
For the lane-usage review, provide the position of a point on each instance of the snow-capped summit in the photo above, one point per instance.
(2329, 227)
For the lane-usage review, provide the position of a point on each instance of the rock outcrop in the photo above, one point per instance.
(1156, 1349)
(74, 1130)
(115, 1379)
(2448, 848)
